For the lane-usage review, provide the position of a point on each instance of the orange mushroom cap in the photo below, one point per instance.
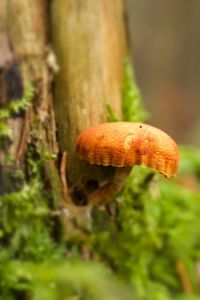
(127, 144)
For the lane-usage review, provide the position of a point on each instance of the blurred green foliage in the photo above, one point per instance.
(157, 225)
(133, 245)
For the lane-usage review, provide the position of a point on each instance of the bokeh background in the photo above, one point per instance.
(165, 46)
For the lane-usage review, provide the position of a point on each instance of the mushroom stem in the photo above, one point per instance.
(104, 194)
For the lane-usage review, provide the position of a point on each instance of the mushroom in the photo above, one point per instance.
(124, 145)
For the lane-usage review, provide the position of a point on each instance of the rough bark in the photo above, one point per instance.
(24, 59)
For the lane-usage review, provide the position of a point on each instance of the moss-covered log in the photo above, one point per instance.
(26, 69)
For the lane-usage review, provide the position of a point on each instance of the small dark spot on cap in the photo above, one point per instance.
(140, 126)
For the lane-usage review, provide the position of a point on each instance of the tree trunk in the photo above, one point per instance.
(89, 40)
(24, 61)
(90, 46)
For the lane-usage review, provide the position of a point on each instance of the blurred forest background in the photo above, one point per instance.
(165, 44)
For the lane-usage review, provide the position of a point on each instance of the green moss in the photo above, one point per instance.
(111, 117)
(15, 107)
(132, 106)
(134, 245)
(156, 226)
